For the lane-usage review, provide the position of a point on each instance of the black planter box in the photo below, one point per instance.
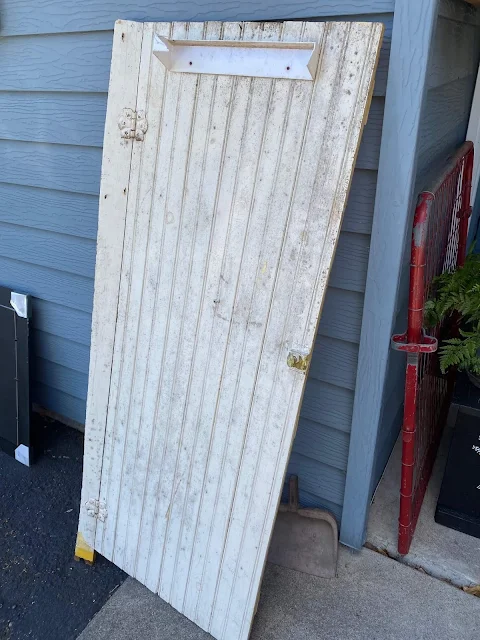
(458, 505)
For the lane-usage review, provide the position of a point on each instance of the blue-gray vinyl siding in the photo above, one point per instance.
(55, 58)
(450, 84)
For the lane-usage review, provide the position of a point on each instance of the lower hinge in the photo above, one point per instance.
(96, 509)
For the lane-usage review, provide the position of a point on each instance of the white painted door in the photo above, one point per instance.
(217, 231)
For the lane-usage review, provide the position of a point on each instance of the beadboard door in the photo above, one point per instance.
(225, 174)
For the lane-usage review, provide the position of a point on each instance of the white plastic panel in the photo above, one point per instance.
(233, 209)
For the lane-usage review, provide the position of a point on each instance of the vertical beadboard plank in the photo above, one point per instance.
(163, 258)
(130, 312)
(302, 274)
(127, 43)
(258, 255)
(233, 214)
(196, 257)
(140, 312)
(123, 366)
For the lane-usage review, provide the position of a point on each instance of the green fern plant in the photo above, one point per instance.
(458, 292)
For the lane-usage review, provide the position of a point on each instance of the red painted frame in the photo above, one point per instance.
(439, 239)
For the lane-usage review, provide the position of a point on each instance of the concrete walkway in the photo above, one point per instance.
(441, 552)
(373, 598)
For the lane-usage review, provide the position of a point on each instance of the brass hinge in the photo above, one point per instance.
(132, 124)
(298, 360)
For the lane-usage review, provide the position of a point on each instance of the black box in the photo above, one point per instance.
(458, 505)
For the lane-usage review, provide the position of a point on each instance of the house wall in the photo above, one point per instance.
(53, 93)
(450, 84)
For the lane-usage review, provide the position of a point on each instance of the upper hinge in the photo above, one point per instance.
(132, 124)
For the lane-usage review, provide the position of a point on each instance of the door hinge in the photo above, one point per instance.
(132, 124)
(96, 509)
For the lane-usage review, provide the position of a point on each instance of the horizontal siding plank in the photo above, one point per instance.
(55, 286)
(61, 321)
(78, 119)
(446, 107)
(327, 404)
(61, 378)
(321, 443)
(56, 16)
(80, 62)
(455, 52)
(59, 211)
(54, 250)
(334, 361)
(349, 269)
(49, 166)
(62, 351)
(69, 62)
(309, 500)
(369, 151)
(316, 478)
(59, 402)
(63, 118)
(342, 315)
(361, 200)
(436, 154)
(460, 11)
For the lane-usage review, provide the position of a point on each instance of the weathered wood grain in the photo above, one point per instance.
(369, 151)
(459, 11)
(361, 200)
(61, 378)
(327, 404)
(61, 321)
(55, 117)
(334, 361)
(342, 315)
(58, 16)
(55, 251)
(195, 254)
(80, 62)
(72, 214)
(58, 401)
(317, 478)
(49, 166)
(455, 52)
(321, 443)
(62, 351)
(349, 270)
(446, 107)
(48, 284)
(64, 62)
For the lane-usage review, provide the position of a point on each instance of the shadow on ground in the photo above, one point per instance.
(44, 593)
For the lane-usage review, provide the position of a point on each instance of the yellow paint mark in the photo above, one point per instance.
(264, 267)
(83, 550)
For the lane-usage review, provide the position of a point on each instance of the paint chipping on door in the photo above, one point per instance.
(221, 253)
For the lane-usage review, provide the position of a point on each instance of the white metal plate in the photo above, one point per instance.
(212, 265)
(292, 60)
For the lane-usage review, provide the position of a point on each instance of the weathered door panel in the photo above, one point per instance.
(234, 204)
